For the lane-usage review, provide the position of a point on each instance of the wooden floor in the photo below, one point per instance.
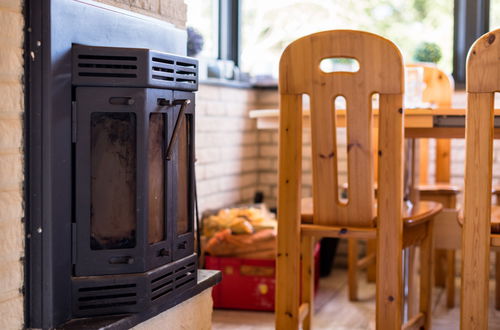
(334, 311)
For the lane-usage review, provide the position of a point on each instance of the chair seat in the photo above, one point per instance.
(412, 216)
(495, 219)
(440, 189)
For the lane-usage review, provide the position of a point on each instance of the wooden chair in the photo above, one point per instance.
(380, 71)
(483, 80)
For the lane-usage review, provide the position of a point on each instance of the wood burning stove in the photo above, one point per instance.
(109, 167)
(133, 131)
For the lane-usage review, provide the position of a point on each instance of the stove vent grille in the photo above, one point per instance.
(106, 298)
(132, 293)
(107, 66)
(163, 285)
(133, 67)
(180, 71)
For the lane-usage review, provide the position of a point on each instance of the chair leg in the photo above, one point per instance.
(287, 277)
(371, 247)
(307, 286)
(439, 267)
(352, 279)
(389, 309)
(426, 272)
(497, 280)
(413, 300)
(450, 278)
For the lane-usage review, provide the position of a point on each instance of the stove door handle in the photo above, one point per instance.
(178, 122)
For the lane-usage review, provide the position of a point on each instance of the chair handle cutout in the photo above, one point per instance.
(339, 64)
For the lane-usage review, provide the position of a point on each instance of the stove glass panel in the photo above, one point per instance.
(113, 184)
(183, 177)
(156, 170)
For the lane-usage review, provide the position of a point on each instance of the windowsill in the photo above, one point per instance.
(236, 84)
(239, 84)
(225, 83)
(206, 279)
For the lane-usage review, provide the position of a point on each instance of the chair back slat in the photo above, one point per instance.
(380, 71)
(483, 64)
(483, 79)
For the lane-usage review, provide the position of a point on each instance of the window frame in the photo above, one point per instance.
(471, 20)
(229, 30)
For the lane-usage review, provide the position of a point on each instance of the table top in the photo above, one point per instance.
(419, 122)
(431, 111)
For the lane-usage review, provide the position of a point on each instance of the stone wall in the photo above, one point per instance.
(172, 11)
(11, 164)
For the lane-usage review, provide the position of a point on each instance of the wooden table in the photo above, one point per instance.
(419, 123)
(443, 123)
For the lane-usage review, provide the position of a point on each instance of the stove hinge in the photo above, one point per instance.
(73, 243)
(73, 121)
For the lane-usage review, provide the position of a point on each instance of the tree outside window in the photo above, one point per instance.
(269, 26)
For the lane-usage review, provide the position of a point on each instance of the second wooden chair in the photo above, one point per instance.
(380, 71)
(479, 231)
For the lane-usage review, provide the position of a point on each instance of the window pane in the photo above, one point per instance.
(494, 15)
(269, 26)
(203, 16)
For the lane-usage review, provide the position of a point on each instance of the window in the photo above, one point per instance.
(269, 26)
(203, 16)
(494, 15)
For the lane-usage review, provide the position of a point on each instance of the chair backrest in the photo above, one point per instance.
(380, 71)
(483, 80)
(439, 87)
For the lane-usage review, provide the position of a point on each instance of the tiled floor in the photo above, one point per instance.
(334, 311)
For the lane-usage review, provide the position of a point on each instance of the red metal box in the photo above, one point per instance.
(248, 283)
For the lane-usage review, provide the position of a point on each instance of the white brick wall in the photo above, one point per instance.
(11, 164)
(226, 146)
(458, 163)
(268, 153)
(268, 163)
(172, 11)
